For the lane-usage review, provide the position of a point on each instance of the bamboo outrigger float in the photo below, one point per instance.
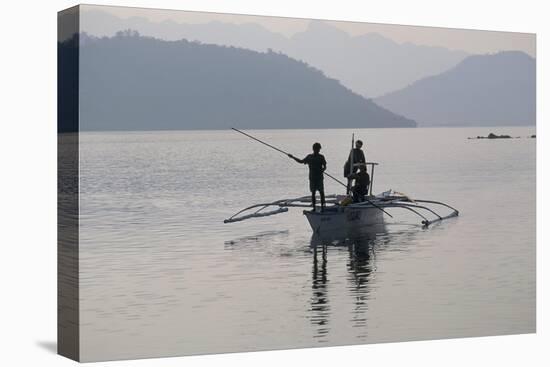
(341, 214)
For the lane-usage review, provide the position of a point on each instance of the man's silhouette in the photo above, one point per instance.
(362, 182)
(317, 165)
(358, 158)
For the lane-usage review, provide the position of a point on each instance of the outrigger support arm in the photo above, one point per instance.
(453, 214)
(426, 222)
(438, 203)
(261, 206)
(408, 207)
(282, 204)
(256, 215)
(412, 205)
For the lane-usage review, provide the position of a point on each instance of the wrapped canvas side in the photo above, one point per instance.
(68, 185)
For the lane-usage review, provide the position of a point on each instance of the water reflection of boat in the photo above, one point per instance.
(320, 308)
(343, 236)
(361, 246)
(358, 267)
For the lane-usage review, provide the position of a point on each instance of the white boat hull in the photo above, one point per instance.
(344, 219)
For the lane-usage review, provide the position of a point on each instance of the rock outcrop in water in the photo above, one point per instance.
(493, 136)
(130, 82)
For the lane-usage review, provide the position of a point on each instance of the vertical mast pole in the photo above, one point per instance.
(350, 163)
(371, 179)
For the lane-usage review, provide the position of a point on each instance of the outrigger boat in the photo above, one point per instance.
(341, 213)
(339, 216)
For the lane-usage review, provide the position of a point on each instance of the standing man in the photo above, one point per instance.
(358, 158)
(317, 165)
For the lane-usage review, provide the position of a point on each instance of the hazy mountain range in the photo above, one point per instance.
(434, 86)
(483, 90)
(370, 64)
(130, 82)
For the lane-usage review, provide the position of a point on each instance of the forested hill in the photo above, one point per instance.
(130, 82)
(482, 90)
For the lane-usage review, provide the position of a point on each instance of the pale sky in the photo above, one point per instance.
(471, 41)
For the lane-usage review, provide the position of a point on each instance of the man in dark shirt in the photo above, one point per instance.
(358, 158)
(362, 182)
(317, 165)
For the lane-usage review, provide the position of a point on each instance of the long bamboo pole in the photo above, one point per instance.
(327, 174)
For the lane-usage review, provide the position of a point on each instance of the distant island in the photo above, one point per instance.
(482, 90)
(495, 136)
(131, 82)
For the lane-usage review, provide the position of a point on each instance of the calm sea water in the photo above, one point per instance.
(162, 275)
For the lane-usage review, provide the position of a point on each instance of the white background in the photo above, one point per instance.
(28, 181)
